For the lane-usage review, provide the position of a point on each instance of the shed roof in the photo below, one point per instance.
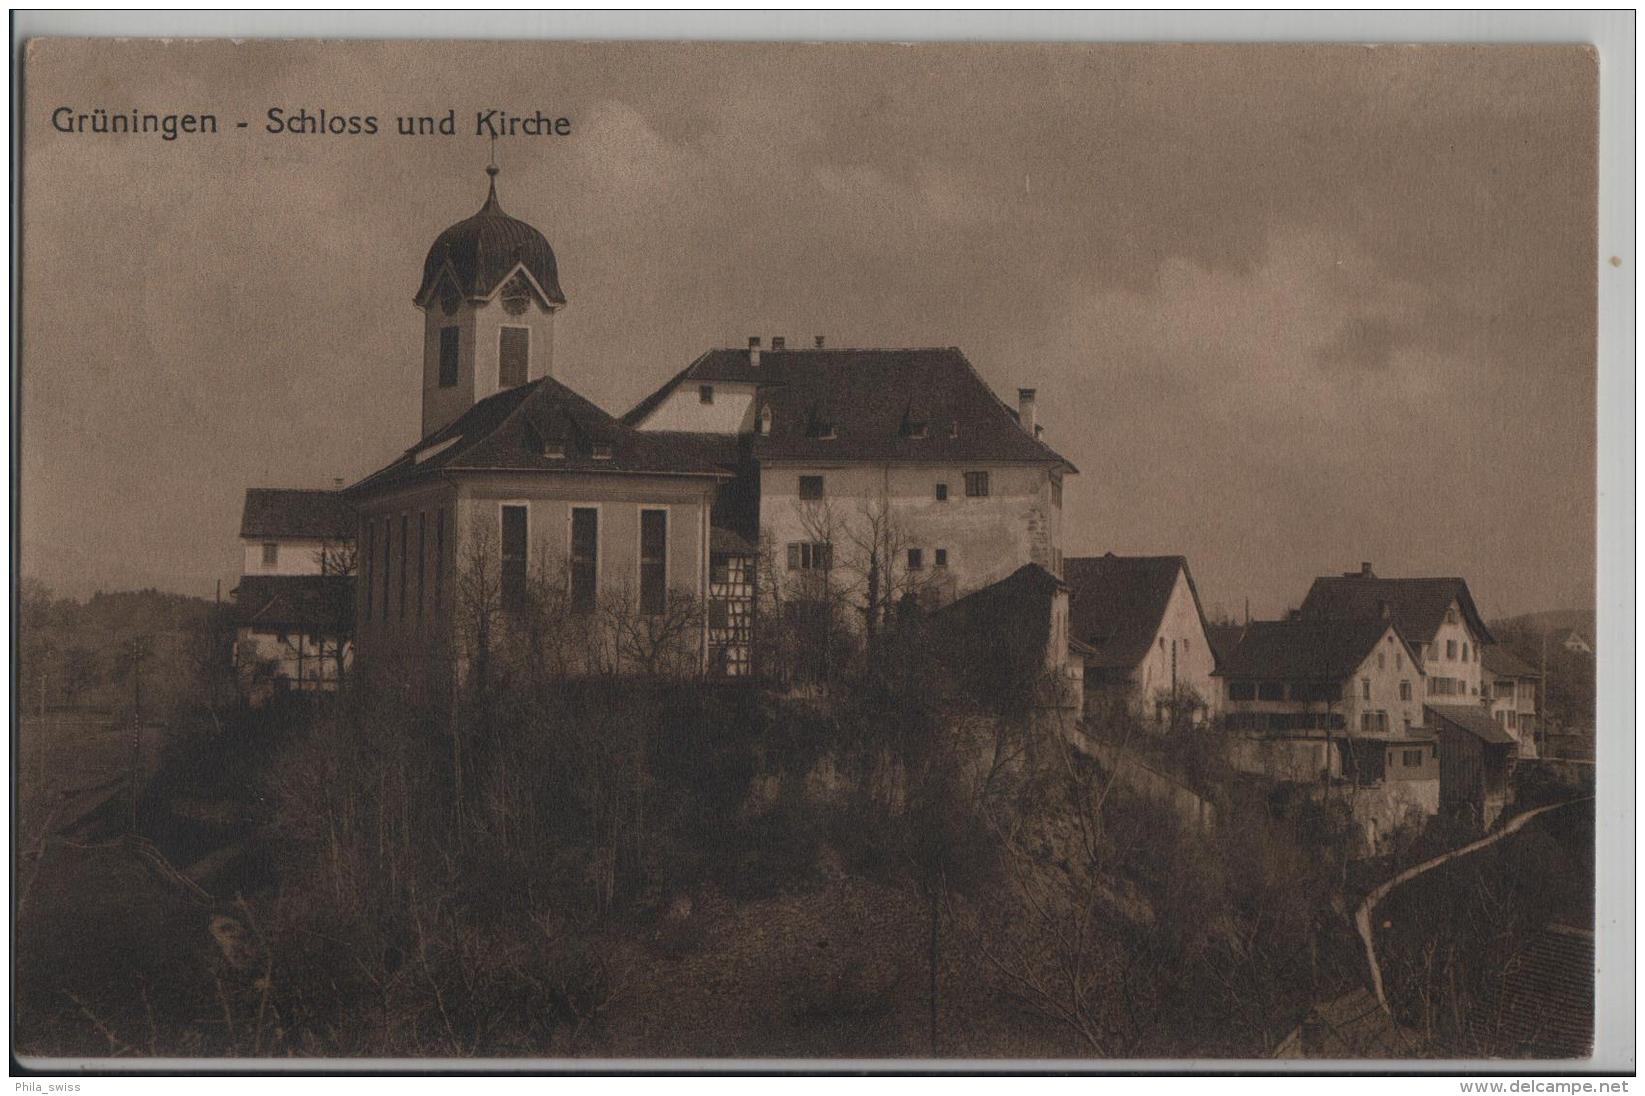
(296, 512)
(915, 404)
(1417, 605)
(316, 603)
(1474, 719)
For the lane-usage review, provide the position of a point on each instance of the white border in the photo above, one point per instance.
(1611, 31)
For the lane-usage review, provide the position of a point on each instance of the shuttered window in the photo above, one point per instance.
(448, 356)
(976, 485)
(515, 524)
(513, 356)
(585, 548)
(653, 561)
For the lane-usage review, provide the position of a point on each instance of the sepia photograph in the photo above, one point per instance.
(576, 551)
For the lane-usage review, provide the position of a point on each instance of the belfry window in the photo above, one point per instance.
(448, 357)
(513, 356)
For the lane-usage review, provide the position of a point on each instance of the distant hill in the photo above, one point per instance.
(1552, 620)
(1569, 702)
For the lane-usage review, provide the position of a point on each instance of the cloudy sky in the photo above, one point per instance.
(1288, 308)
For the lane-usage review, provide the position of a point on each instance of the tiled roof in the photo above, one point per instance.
(1499, 660)
(1417, 605)
(729, 542)
(484, 248)
(1223, 639)
(516, 430)
(1472, 718)
(917, 404)
(997, 637)
(321, 603)
(1545, 1005)
(1116, 603)
(1304, 650)
(295, 512)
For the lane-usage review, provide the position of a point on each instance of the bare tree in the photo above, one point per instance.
(665, 644)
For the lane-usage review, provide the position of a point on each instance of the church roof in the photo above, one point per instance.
(296, 512)
(484, 249)
(921, 404)
(544, 426)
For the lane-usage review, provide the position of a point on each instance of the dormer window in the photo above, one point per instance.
(602, 450)
(763, 425)
(953, 429)
(820, 423)
(913, 423)
(554, 450)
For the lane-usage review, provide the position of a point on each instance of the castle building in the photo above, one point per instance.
(883, 473)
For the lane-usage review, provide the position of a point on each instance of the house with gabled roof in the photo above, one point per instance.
(294, 601)
(1334, 703)
(1436, 615)
(1151, 648)
(1512, 685)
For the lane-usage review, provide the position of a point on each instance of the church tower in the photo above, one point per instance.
(489, 293)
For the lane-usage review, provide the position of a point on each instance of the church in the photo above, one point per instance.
(760, 481)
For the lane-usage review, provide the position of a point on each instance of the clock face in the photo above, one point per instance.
(516, 296)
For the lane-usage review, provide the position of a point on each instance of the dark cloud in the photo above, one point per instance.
(1292, 307)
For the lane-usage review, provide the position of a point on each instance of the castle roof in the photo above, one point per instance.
(908, 404)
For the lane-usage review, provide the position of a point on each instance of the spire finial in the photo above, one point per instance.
(491, 172)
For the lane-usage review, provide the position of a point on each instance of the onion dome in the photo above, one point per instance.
(482, 250)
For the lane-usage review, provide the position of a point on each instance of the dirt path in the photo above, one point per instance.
(1362, 918)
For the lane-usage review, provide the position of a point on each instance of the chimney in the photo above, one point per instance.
(753, 350)
(1293, 614)
(819, 339)
(778, 342)
(1025, 411)
(1365, 570)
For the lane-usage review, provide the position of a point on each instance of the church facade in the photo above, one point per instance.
(750, 476)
